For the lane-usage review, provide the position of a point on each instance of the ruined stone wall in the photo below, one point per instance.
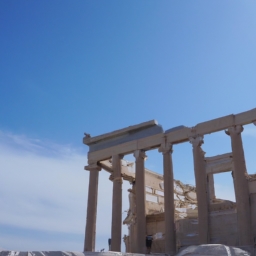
(223, 228)
(156, 227)
(186, 232)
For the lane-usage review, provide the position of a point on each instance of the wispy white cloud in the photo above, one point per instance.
(43, 187)
(22, 144)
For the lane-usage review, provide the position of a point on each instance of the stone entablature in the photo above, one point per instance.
(173, 136)
(219, 163)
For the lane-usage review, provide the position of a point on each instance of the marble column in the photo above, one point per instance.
(211, 190)
(170, 235)
(201, 189)
(116, 229)
(241, 186)
(90, 229)
(140, 201)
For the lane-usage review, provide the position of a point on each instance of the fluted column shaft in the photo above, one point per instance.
(201, 189)
(116, 229)
(170, 236)
(241, 186)
(90, 229)
(140, 201)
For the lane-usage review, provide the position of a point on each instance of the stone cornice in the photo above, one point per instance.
(89, 140)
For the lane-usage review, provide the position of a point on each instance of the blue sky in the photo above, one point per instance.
(69, 67)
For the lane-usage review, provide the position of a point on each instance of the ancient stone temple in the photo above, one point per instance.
(172, 213)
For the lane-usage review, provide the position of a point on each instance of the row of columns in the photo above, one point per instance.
(116, 228)
(241, 192)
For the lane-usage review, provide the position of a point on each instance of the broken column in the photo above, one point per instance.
(170, 241)
(241, 186)
(116, 230)
(90, 229)
(201, 189)
(140, 201)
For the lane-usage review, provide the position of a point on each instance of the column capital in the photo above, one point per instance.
(165, 147)
(139, 154)
(92, 167)
(197, 141)
(234, 130)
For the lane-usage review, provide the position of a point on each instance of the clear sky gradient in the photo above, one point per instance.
(69, 67)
